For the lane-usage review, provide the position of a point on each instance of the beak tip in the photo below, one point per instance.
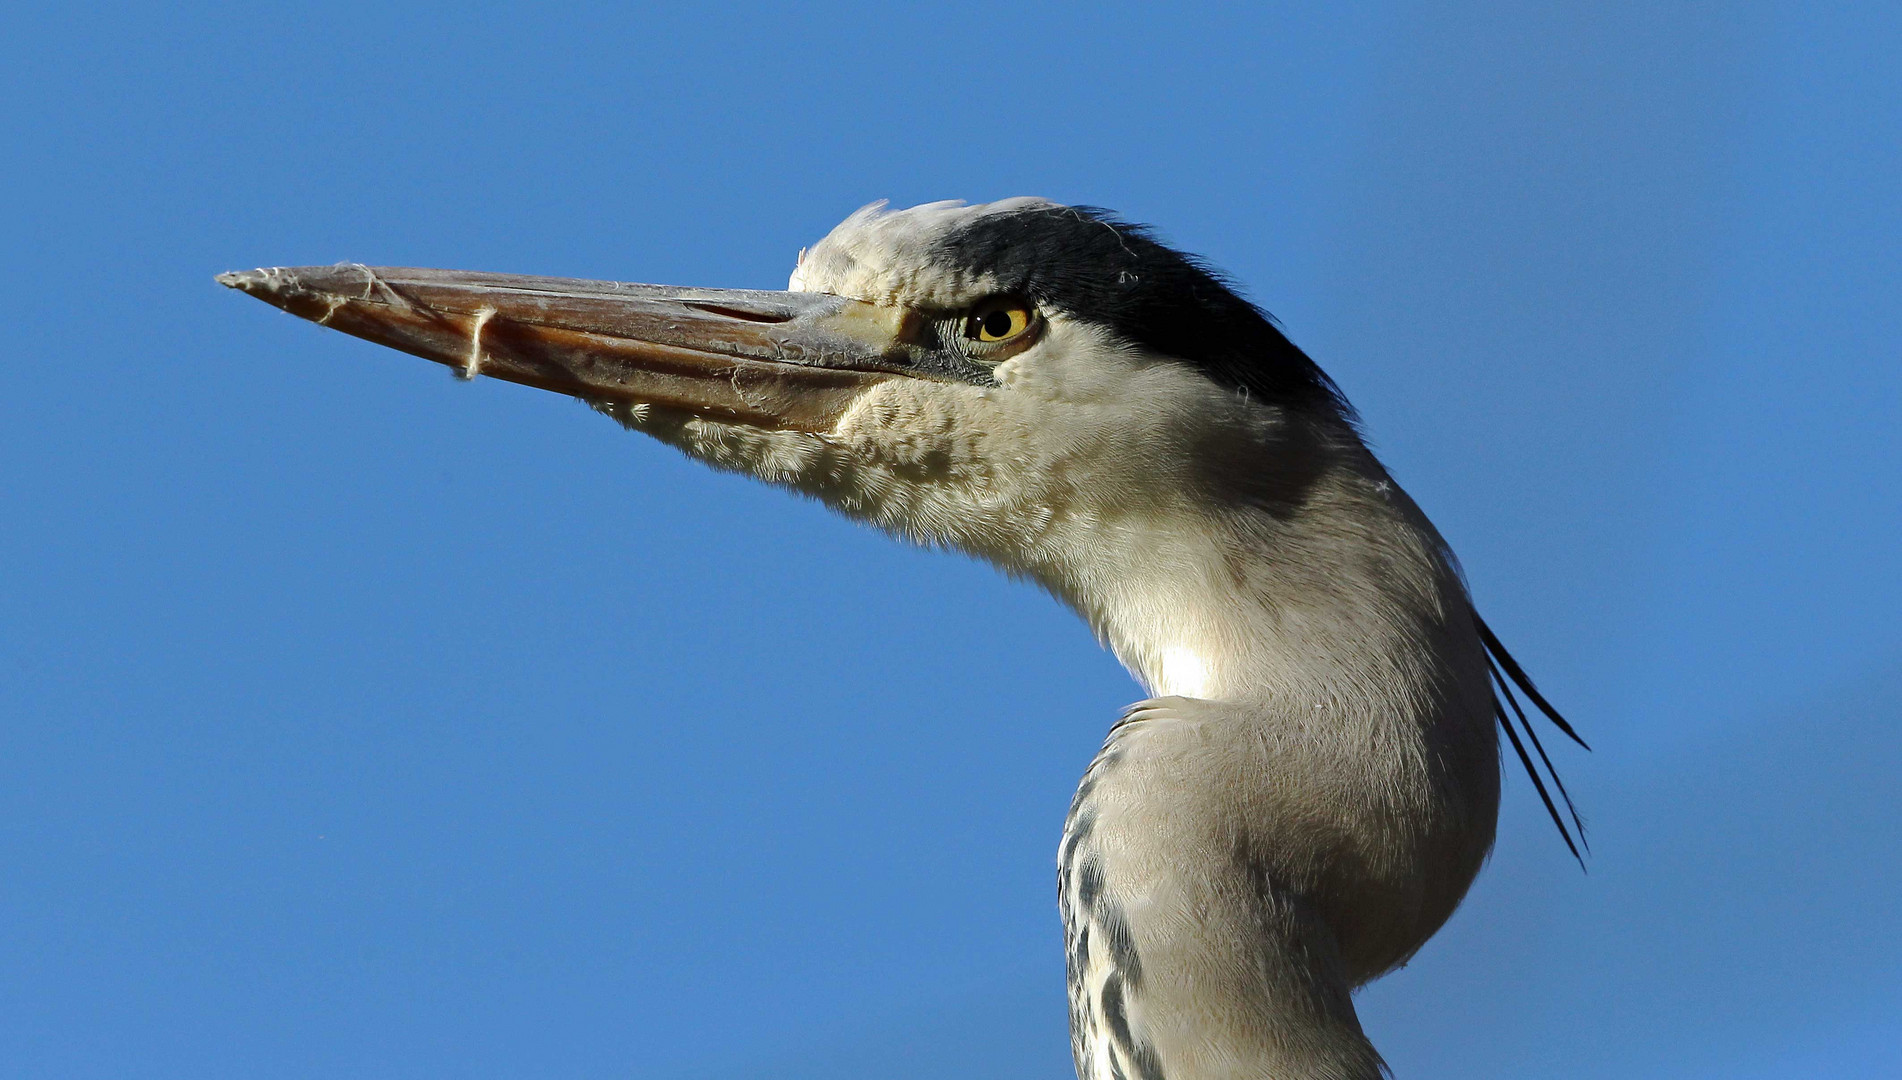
(250, 281)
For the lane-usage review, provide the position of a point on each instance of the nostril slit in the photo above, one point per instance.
(741, 313)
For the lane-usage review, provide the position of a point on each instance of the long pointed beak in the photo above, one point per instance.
(769, 359)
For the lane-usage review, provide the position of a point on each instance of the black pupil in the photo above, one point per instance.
(997, 324)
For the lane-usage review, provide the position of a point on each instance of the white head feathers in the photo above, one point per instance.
(885, 256)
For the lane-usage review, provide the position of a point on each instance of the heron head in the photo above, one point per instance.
(1044, 386)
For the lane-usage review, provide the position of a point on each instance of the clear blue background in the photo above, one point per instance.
(354, 722)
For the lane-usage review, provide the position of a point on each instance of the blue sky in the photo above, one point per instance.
(356, 722)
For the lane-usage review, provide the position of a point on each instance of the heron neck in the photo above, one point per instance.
(1349, 593)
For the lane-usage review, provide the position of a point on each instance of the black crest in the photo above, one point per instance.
(1089, 264)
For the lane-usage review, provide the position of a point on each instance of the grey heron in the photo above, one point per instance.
(1314, 781)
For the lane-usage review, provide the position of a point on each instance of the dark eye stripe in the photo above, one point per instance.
(1096, 268)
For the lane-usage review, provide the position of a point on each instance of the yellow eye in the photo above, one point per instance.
(998, 320)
